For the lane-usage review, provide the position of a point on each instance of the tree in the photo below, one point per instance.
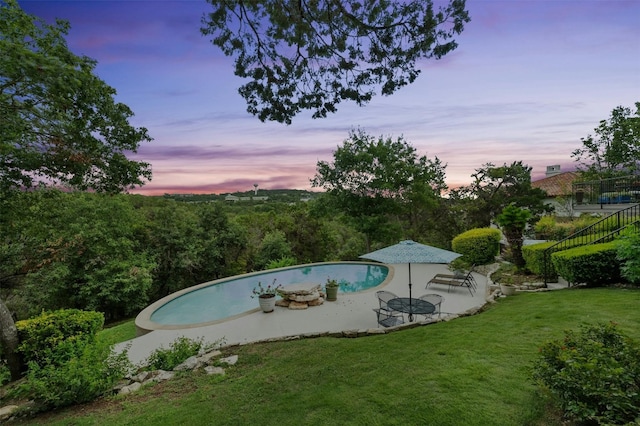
(513, 221)
(60, 123)
(90, 253)
(313, 54)
(376, 181)
(274, 246)
(615, 148)
(494, 188)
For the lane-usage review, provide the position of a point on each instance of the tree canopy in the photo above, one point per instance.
(59, 122)
(495, 187)
(313, 54)
(615, 148)
(372, 178)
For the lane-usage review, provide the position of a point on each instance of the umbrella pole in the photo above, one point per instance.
(410, 308)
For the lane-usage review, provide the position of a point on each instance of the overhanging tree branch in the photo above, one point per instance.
(314, 54)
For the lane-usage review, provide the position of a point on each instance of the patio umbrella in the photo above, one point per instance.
(409, 252)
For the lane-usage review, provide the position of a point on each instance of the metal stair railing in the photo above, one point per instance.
(603, 230)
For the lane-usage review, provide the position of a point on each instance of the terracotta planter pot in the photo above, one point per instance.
(267, 303)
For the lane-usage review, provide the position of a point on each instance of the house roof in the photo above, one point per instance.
(557, 185)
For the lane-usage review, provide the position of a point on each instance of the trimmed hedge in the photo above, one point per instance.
(594, 264)
(56, 337)
(534, 255)
(478, 246)
(534, 259)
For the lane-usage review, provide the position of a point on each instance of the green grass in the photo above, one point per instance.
(469, 371)
(120, 332)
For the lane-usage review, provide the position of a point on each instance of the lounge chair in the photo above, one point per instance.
(460, 274)
(455, 280)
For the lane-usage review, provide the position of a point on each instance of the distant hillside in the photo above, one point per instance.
(262, 196)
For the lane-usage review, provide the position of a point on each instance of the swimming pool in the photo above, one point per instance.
(222, 299)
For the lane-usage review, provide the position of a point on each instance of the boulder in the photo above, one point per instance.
(7, 411)
(130, 388)
(298, 305)
(231, 360)
(317, 302)
(190, 363)
(210, 369)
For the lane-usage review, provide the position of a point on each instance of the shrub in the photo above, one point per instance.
(629, 255)
(478, 246)
(90, 374)
(594, 375)
(545, 229)
(594, 264)
(533, 256)
(282, 262)
(55, 337)
(550, 228)
(179, 350)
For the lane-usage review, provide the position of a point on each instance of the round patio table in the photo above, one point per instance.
(411, 306)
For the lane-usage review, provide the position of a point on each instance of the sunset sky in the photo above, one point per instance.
(528, 80)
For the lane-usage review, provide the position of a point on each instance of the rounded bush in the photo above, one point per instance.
(594, 375)
(478, 246)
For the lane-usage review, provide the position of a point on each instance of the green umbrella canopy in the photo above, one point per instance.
(408, 251)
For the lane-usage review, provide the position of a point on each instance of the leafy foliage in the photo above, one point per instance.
(282, 262)
(533, 256)
(179, 350)
(274, 246)
(80, 250)
(56, 337)
(374, 181)
(494, 188)
(83, 378)
(478, 246)
(60, 123)
(550, 228)
(315, 54)
(594, 374)
(513, 221)
(594, 264)
(629, 255)
(615, 148)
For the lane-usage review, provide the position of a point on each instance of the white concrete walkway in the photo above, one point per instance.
(352, 311)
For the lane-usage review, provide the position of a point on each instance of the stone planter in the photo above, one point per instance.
(267, 303)
(507, 290)
(332, 293)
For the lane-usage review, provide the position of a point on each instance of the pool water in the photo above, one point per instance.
(226, 298)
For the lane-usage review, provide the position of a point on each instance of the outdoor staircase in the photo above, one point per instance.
(604, 230)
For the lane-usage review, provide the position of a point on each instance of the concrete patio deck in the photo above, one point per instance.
(352, 311)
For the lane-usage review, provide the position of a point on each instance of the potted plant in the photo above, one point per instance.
(506, 286)
(331, 288)
(266, 295)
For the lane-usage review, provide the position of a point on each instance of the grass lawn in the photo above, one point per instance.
(469, 371)
(120, 332)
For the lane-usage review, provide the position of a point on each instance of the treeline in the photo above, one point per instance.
(118, 253)
(272, 195)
